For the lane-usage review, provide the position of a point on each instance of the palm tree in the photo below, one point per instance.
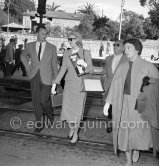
(88, 9)
(54, 6)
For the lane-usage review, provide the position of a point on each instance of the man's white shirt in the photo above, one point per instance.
(42, 48)
(115, 62)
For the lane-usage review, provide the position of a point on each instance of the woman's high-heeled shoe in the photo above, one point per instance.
(74, 142)
(69, 138)
(135, 156)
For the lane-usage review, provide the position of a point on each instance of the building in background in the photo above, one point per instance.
(53, 18)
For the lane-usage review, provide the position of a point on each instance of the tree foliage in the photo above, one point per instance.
(132, 25)
(56, 31)
(17, 7)
(151, 31)
(104, 28)
(154, 15)
(86, 27)
(113, 29)
(54, 7)
(88, 9)
(100, 22)
(99, 28)
(152, 25)
(3, 17)
(149, 3)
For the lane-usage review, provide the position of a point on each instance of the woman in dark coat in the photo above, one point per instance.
(73, 98)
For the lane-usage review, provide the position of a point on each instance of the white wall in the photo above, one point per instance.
(65, 23)
(149, 46)
(26, 21)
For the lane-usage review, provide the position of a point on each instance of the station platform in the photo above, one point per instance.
(16, 107)
(17, 115)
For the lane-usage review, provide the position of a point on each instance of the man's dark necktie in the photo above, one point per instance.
(127, 84)
(13, 54)
(39, 51)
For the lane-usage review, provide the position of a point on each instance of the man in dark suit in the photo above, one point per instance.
(9, 58)
(41, 67)
(18, 63)
(112, 63)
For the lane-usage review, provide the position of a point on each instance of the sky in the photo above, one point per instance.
(110, 8)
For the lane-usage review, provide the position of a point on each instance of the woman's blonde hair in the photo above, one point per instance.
(78, 37)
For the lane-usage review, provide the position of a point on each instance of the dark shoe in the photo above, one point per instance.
(69, 138)
(38, 130)
(49, 123)
(109, 129)
(6, 76)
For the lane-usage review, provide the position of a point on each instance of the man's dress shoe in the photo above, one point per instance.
(38, 130)
(109, 129)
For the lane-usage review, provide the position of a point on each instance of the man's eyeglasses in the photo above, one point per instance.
(70, 39)
(116, 45)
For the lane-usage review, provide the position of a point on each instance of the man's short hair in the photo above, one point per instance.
(12, 40)
(20, 45)
(137, 44)
(42, 26)
(120, 41)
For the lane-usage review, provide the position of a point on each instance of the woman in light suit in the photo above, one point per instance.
(73, 98)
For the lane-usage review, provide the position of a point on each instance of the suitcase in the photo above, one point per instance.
(56, 100)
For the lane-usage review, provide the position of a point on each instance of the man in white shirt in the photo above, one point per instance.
(41, 68)
(111, 64)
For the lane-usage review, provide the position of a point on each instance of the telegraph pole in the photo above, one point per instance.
(41, 9)
(8, 17)
(41, 19)
(121, 15)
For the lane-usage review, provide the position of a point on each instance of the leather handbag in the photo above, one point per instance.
(56, 100)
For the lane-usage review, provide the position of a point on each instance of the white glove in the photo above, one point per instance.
(81, 62)
(53, 91)
(105, 109)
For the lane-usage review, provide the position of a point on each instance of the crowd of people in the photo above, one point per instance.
(10, 57)
(125, 98)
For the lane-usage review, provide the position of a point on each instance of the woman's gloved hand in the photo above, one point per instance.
(105, 109)
(53, 89)
(81, 62)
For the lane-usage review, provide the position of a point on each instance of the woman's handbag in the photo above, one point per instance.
(56, 100)
(79, 69)
(91, 83)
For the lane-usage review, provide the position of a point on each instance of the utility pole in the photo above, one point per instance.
(102, 13)
(8, 16)
(41, 9)
(121, 15)
(41, 19)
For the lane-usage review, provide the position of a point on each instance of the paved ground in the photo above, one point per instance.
(30, 151)
(25, 152)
